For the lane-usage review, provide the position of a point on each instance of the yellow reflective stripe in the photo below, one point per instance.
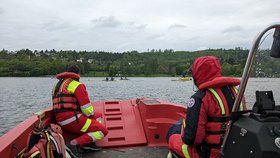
(241, 105)
(34, 154)
(86, 125)
(96, 135)
(48, 145)
(87, 109)
(184, 123)
(219, 100)
(72, 86)
(185, 150)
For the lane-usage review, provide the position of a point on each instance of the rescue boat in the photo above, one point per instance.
(138, 127)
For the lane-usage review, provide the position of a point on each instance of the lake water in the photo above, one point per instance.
(21, 97)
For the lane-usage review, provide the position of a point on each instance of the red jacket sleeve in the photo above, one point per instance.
(82, 95)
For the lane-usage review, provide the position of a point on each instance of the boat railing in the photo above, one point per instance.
(275, 52)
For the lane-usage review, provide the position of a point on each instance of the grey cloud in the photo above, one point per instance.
(176, 26)
(137, 26)
(130, 27)
(154, 37)
(107, 22)
(232, 29)
(55, 26)
(140, 27)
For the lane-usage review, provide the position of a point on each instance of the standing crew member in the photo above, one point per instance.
(74, 112)
(208, 111)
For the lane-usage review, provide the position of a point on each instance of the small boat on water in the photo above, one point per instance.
(138, 127)
(109, 79)
(124, 78)
(185, 78)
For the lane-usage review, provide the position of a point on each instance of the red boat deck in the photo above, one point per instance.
(137, 128)
(139, 122)
(123, 122)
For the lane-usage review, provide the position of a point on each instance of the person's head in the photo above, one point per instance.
(205, 69)
(74, 68)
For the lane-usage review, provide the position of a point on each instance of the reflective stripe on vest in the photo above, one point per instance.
(241, 104)
(69, 120)
(221, 104)
(216, 126)
(185, 150)
(87, 109)
(98, 135)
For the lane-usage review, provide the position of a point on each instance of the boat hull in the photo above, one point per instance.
(131, 123)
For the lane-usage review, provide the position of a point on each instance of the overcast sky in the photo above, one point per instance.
(125, 25)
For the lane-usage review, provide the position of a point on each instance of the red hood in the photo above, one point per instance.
(205, 69)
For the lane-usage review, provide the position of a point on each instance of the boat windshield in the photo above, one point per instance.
(265, 73)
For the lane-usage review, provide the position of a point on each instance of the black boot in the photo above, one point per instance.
(91, 147)
(73, 150)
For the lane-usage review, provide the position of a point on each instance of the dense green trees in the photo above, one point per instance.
(154, 63)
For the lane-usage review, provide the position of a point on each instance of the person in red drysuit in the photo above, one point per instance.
(75, 113)
(208, 112)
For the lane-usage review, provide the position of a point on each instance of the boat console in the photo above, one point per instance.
(256, 134)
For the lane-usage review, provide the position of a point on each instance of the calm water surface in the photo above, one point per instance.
(21, 97)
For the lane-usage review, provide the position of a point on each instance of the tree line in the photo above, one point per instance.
(168, 62)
